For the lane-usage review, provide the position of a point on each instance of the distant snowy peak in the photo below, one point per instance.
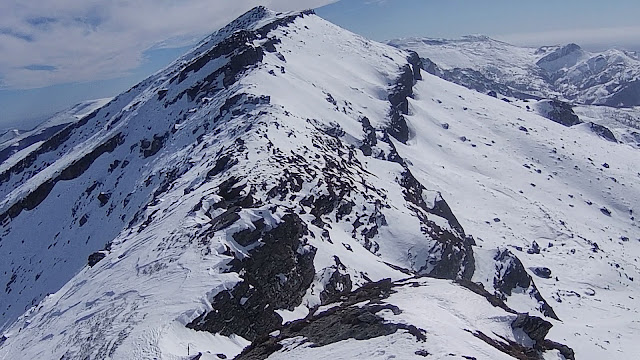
(562, 58)
(18, 141)
(567, 72)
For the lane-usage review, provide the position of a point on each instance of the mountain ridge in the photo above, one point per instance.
(271, 173)
(600, 78)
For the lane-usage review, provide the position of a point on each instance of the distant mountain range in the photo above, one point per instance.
(566, 72)
(15, 140)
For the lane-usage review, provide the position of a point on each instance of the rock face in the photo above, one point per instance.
(512, 275)
(560, 112)
(535, 327)
(276, 276)
(95, 258)
(603, 132)
(343, 322)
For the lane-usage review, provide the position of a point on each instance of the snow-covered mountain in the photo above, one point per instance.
(566, 72)
(16, 140)
(288, 189)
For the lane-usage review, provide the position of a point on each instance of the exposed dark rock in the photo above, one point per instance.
(431, 67)
(162, 93)
(442, 209)
(104, 198)
(457, 260)
(416, 64)
(40, 135)
(345, 321)
(13, 279)
(328, 328)
(225, 219)
(233, 195)
(248, 236)
(241, 54)
(151, 147)
(275, 276)
(370, 140)
(603, 132)
(77, 168)
(51, 144)
(96, 257)
(542, 272)
(564, 350)
(223, 163)
(564, 57)
(402, 90)
(80, 166)
(339, 284)
(510, 347)
(628, 95)
(480, 290)
(562, 113)
(535, 327)
(534, 249)
(423, 353)
(514, 275)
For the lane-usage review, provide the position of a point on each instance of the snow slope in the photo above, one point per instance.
(261, 189)
(567, 72)
(519, 178)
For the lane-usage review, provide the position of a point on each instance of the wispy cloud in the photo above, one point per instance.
(86, 40)
(623, 36)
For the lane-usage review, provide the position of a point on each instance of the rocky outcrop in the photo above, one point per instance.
(430, 67)
(347, 320)
(77, 168)
(561, 112)
(275, 276)
(398, 97)
(603, 132)
(628, 95)
(511, 275)
(456, 260)
(95, 258)
(535, 327)
(542, 272)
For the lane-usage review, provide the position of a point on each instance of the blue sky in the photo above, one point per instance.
(59, 52)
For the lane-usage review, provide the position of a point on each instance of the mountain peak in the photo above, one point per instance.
(281, 184)
(563, 57)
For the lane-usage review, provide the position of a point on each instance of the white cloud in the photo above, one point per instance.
(50, 42)
(623, 36)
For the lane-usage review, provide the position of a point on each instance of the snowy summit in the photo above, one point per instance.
(288, 190)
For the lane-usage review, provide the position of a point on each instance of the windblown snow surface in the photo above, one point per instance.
(267, 177)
